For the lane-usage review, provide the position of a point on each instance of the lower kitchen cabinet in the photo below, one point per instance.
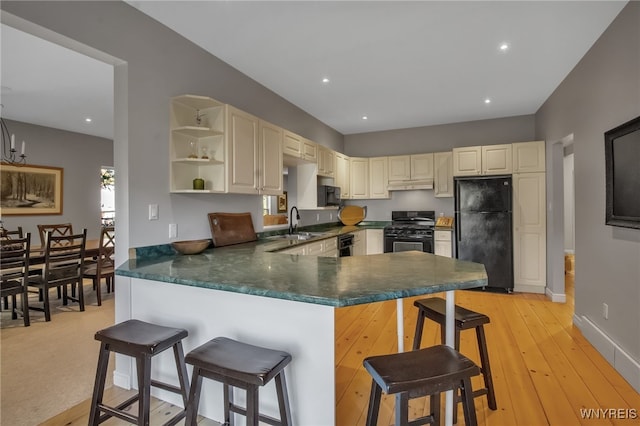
(375, 241)
(359, 243)
(442, 243)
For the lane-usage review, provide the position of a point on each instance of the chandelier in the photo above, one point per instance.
(9, 151)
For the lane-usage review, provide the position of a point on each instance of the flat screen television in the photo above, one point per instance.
(622, 156)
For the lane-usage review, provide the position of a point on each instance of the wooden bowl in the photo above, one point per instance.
(191, 246)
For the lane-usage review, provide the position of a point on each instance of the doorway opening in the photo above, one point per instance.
(107, 196)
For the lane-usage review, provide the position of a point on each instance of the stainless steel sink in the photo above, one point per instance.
(298, 236)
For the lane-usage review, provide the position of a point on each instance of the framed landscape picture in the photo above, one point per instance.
(282, 202)
(30, 190)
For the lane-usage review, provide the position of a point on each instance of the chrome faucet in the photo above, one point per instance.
(292, 229)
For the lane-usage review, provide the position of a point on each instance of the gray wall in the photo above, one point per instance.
(81, 156)
(601, 92)
(159, 64)
(431, 139)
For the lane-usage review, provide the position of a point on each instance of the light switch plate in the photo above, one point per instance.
(153, 212)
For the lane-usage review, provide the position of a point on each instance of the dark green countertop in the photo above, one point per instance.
(258, 269)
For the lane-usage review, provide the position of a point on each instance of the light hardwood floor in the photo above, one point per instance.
(544, 370)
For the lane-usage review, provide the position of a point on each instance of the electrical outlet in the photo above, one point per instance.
(173, 230)
(605, 311)
(317, 217)
(330, 216)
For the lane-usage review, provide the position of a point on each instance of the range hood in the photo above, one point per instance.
(405, 185)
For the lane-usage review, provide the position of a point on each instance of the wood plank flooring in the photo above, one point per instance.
(544, 371)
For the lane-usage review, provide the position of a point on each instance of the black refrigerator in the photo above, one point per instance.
(484, 226)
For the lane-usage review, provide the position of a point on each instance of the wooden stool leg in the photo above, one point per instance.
(144, 389)
(98, 387)
(467, 403)
(283, 399)
(194, 398)
(253, 410)
(183, 376)
(486, 368)
(434, 401)
(228, 400)
(402, 409)
(417, 337)
(374, 404)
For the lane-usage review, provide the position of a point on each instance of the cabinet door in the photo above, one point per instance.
(375, 241)
(378, 177)
(443, 174)
(309, 151)
(399, 168)
(528, 157)
(343, 175)
(442, 243)
(359, 178)
(326, 162)
(422, 166)
(270, 159)
(292, 144)
(467, 161)
(242, 142)
(497, 159)
(314, 249)
(359, 243)
(529, 236)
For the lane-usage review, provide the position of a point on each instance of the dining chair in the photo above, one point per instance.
(8, 235)
(63, 266)
(103, 266)
(60, 229)
(14, 273)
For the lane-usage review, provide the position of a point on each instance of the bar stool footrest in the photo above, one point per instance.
(262, 417)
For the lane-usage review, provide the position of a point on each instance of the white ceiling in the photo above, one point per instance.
(402, 64)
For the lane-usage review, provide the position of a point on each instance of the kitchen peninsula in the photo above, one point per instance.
(254, 294)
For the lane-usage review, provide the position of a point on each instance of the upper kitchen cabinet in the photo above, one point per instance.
(411, 172)
(482, 160)
(378, 177)
(243, 152)
(326, 162)
(270, 155)
(443, 174)
(359, 178)
(343, 175)
(197, 144)
(298, 149)
(528, 157)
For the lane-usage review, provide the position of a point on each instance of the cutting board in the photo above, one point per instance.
(231, 228)
(352, 215)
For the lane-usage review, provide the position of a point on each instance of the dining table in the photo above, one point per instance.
(91, 251)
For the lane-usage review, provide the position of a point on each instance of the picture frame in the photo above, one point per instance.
(282, 202)
(30, 190)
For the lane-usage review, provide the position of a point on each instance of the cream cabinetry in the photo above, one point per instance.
(343, 175)
(375, 241)
(326, 162)
(411, 171)
(359, 178)
(443, 174)
(360, 243)
(529, 232)
(323, 248)
(378, 177)
(482, 160)
(197, 144)
(442, 243)
(242, 152)
(528, 157)
(309, 151)
(270, 155)
(292, 144)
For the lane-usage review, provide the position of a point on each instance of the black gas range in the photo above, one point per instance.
(410, 230)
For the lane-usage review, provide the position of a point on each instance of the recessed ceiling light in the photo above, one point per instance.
(487, 101)
(504, 46)
(325, 80)
(88, 119)
(364, 117)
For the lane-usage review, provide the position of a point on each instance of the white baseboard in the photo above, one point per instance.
(529, 288)
(614, 354)
(556, 297)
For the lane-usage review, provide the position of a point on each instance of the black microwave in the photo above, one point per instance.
(328, 195)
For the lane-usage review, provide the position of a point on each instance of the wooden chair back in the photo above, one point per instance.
(64, 258)
(17, 233)
(14, 272)
(106, 248)
(60, 229)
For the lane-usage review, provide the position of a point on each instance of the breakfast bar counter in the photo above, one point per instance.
(251, 293)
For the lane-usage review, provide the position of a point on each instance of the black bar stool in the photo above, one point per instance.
(413, 374)
(240, 365)
(434, 308)
(142, 341)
